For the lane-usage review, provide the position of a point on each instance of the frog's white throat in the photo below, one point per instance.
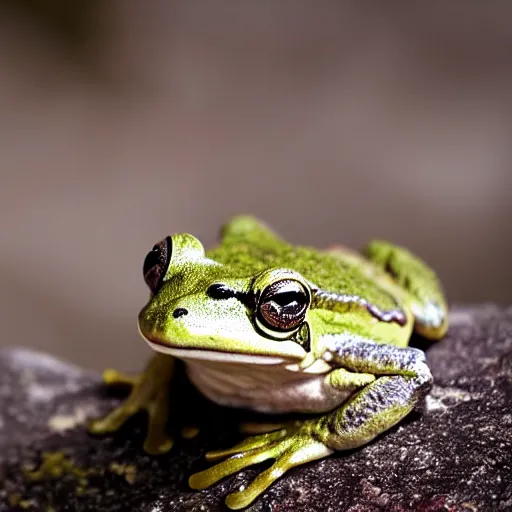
(258, 382)
(264, 388)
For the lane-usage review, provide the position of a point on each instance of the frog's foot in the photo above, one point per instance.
(149, 393)
(290, 447)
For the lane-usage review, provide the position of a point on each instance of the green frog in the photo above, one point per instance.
(277, 328)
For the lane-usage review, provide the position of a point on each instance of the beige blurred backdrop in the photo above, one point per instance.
(332, 121)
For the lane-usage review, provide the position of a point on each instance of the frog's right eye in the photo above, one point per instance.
(156, 264)
(282, 308)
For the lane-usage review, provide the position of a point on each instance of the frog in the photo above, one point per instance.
(273, 327)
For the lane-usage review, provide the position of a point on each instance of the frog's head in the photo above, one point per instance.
(200, 309)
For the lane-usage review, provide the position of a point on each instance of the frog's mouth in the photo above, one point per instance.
(218, 356)
(221, 356)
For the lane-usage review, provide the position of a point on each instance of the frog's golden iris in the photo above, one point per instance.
(266, 325)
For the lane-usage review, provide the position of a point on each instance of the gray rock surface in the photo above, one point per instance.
(455, 454)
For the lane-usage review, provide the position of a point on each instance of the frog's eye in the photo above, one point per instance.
(156, 264)
(282, 306)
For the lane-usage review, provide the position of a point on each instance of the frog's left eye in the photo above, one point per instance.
(282, 307)
(156, 264)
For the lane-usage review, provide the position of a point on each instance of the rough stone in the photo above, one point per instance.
(454, 454)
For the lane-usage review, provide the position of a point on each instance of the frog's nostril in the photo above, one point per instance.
(179, 312)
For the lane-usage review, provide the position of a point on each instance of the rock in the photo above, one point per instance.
(455, 454)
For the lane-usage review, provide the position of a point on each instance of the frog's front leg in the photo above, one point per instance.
(150, 393)
(402, 378)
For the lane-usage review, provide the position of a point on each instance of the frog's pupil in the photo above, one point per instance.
(290, 299)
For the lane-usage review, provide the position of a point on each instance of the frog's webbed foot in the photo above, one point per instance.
(150, 393)
(290, 447)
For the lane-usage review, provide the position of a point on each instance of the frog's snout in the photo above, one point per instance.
(154, 322)
(167, 323)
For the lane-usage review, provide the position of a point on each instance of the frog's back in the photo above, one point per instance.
(249, 251)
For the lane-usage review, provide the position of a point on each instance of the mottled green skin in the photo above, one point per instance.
(352, 345)
(248, 247)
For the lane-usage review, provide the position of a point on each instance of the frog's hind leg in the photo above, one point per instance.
(424, 294)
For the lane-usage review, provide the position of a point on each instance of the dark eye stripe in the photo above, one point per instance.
(220, 291)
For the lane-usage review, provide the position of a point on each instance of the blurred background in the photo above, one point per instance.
(335, 122)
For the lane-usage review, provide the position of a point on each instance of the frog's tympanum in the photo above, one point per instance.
(265, 325)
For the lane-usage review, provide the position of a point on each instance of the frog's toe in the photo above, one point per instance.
(300, 452)
(157, 440)
(248, 444)
(113, 421)
(240, 461)
(113, 377)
